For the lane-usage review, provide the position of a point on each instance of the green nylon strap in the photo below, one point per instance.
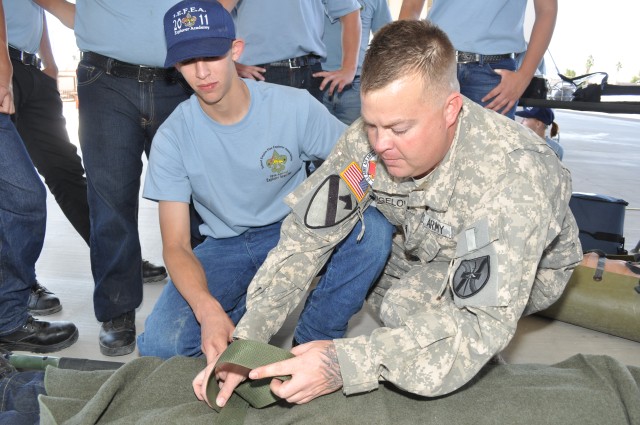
(249, 354)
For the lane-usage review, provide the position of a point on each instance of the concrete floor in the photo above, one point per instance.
(603, 153)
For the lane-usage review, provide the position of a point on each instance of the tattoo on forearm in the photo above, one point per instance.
(331, 369)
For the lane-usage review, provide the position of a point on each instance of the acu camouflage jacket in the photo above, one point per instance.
(485, 238)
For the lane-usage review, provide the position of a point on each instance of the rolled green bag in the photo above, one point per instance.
(611, 305)
(250, 354)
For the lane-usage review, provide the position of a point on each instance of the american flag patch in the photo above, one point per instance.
(352, 175)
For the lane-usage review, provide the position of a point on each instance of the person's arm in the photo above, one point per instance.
(229, 4)
(46, 54)
(307, 238)
(351, 35)
(513, 84)
(61, 9)
(244, 71)
(6, 70)
(411, 9)
(439, 342)
(190, 280)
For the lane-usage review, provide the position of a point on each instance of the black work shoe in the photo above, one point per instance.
(152, 273)
(40, 336)
(118, 336)
(42, 302)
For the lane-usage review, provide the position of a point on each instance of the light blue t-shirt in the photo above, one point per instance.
(24, 24)
(488, 27)
(374, 14)
(128, 30)
(239, 174)
(284, 29)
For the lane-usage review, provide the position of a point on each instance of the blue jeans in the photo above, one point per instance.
(346, 105)
(301, 78)
(42, 127)
(478, 79)
(23, 216)
(230, 264)
(19, 397)
(118, 118)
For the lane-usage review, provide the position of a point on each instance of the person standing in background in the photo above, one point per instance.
(39, 121)
(284, 42)
(345, 104)
(41, 124)
(487, 37)
(125, 94)
(23, 217)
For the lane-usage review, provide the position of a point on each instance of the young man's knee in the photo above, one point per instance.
(378, 233)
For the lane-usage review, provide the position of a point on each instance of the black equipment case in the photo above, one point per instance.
(600, 219)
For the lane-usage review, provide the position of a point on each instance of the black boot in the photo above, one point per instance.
(118, 335)
(152, 273)
(42, 302)
(40, 337)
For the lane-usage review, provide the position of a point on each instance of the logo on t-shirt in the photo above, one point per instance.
(276, 159)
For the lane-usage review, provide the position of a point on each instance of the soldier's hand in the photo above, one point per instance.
(314, 372)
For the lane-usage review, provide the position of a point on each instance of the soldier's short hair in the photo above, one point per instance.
(409, 47)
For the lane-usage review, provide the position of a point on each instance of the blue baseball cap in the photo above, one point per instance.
(542, 114)
(197, 29)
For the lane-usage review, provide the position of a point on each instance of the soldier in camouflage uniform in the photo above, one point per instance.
(484, 232)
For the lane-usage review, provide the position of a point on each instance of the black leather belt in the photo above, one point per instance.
(293, 63)
(24, 57)
(144, 74)
(467, 57)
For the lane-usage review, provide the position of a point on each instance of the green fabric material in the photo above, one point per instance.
(580, 390)
(250, 354)
(610, 305)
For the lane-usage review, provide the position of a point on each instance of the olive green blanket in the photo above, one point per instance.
(580, 390)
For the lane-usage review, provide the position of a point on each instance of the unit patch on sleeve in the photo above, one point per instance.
(354, 178)
(332, 203)
(471, 276)
(369, 167)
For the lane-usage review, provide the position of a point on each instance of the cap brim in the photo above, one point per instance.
(525, 114)
(191, 49)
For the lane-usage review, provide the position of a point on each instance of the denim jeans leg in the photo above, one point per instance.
(229, 265)
(19, 398)
(478, 79)
(117, 120)
(350, 273)
(345, 105)
(42, 126)
(301, 78)
(23, 219)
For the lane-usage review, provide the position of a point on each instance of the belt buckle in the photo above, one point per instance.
(145, 74)
(24, 60)
(467, 57)
(293, 63)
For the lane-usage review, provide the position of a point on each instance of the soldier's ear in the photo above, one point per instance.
(452, 108)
